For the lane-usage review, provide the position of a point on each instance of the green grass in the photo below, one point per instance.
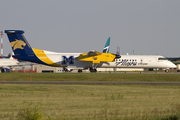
(88, 77)
(99, 102)
(104, 102)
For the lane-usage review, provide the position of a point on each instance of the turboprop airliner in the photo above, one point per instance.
(81, 61)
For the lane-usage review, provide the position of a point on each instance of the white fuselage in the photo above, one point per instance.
(141, 61)
(8, 62)
(126, 61)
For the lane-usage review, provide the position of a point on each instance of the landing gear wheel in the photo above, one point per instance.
(93, 70)
(2, 70)
(166, 70)
(79, 71)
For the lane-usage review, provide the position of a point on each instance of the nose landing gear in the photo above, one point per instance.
(167, 70)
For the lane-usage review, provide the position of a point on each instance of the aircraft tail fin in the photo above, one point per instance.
(20, 47)
(107, 46)
(23, 51)
(11, 56)
(19, 44)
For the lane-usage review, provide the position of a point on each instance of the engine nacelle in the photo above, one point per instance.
(3, 70)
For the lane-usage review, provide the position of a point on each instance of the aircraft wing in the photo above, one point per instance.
(8, 66)
(96, 57)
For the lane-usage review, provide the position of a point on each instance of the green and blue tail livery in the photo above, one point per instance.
(107, 46)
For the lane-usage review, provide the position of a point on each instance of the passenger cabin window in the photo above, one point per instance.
(162, 59)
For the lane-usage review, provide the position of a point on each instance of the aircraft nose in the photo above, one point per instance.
(172, 65)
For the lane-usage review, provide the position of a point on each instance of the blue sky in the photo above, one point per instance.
(148, 27)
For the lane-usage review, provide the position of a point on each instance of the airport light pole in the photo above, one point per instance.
(1, 44)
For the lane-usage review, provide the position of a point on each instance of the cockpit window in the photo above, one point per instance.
(162, 59)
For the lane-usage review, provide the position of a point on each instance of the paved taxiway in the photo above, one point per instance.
(90, 82)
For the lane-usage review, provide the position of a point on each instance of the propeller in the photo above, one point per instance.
(118, 53)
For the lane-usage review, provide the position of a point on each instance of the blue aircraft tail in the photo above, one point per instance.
(107, 46)
(21, 48)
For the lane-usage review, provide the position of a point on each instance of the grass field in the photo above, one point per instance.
(89, 102)
(88, 77)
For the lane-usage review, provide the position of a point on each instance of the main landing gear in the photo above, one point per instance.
(79, 71)
(92, 70)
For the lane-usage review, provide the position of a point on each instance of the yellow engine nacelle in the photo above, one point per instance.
(97, 58)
